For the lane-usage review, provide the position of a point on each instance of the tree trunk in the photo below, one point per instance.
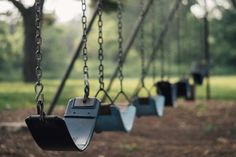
(29, 62)
(234, 3)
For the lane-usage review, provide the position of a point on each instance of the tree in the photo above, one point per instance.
(234, 3)
(5, 46)
(28, 15)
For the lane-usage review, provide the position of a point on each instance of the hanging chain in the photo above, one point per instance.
(100, 53)
(162, 44)
(85, 52)
(162, 60)
(178, 42)
(100, 50)
(153, 43)
(142, 48)
(120, 41)
(38, 56)
(168, 61)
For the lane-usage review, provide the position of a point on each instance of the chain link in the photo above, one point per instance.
(162, 44)
(141, 46)
(178, 41)
(85, 51)
(100, 53)
(120, 41)
(38, 57)
(100, 50)
(153, 43)
(162, 60)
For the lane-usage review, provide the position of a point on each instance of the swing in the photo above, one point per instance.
(199, 72)
(192, 93)
(150, 105)
(75, 130)
(169, 91)
(183, 88)
(165, 88)
(112, 117)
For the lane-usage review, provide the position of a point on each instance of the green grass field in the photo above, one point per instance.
(15, 95)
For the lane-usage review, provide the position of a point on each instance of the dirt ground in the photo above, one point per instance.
(200, 129)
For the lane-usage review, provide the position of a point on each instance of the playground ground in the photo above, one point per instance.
(200, 129)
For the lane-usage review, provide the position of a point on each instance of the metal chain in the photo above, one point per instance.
(162, 60)
(85, 52)
(169, 62)
(38, 56)
(162, 44)
(142, 49)
(153, 43)
(120, 41)
(100, 42)
(100, 53)
(178, 42)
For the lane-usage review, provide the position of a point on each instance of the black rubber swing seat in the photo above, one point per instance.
(198, 78)
(199, 72)
(150, 106)
(71, 133)
(114, 118)
(169, 91)
(183, 88)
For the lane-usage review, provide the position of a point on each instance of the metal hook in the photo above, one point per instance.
(38, 88)
(40, 107)
(86, 93)
(124, 94)
(145, 88)
(106, 95)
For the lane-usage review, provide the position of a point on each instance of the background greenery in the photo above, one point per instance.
(61, 40)
(223, 88)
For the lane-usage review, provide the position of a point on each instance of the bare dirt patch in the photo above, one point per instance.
(200, 129)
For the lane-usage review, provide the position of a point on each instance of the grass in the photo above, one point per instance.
(15, 95)
(223, 88)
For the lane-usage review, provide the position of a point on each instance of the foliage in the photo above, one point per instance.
(10, 49)
(60, 41)
(57, 46)
(224, 39)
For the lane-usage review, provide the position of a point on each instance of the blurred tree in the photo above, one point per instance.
(234, 3)
(28, 15)
(5, 46)
(108, 5)
(10, 50)
(224, 38)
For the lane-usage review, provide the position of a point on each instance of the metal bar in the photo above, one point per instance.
(207, 53)
(70, 66)
(159, 40)
(130, 42)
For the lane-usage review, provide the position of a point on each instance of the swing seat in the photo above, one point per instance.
(192, 95)
(169, 91)
(114, 118)
(150, 106)
(199, 72)
(198, 78)
(183, 88)
(71, 133)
